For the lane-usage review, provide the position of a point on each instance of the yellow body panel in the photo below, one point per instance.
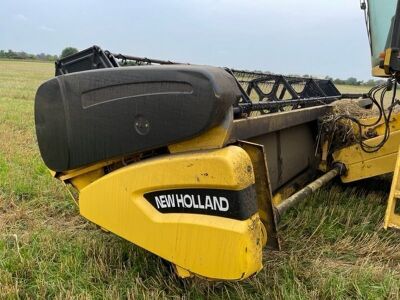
(362, 165)
(209, 246)
(85, 179)
(83, 176)
(392, 218)
(372, 167)
(379, 72)
(378, 129)
(214, 138)
(386, 61)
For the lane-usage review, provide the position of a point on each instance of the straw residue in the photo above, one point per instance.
(344, 132)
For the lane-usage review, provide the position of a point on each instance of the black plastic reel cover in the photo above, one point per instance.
(86, 117)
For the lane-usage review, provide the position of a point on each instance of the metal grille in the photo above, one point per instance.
(262, 93)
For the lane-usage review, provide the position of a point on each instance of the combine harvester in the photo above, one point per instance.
(197, 164)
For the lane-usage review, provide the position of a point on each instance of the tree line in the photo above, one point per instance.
(348, 81)
(10, 54)
(355, 81)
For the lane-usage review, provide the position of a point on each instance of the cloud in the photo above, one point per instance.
(21, 17)
(45, 28)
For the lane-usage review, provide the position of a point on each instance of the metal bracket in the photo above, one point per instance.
(264, 194)
(392, 217)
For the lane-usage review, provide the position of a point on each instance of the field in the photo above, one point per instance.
(333, 247)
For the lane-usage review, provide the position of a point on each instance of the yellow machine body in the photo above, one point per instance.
(206, 245)
(360, 164)
(202, 199)
(114, 195)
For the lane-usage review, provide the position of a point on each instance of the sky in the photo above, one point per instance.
(317, 37)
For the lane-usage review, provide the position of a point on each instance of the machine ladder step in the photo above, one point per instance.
(392, 217)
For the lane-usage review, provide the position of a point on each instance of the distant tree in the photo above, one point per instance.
(68, 51)
(339, 81)
(41, 56)
(373, 82)
(380, 81)
(370, 82)
(352, 81)
(11, 54)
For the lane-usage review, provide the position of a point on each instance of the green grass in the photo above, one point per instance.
(353, 89)
(333, 246)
